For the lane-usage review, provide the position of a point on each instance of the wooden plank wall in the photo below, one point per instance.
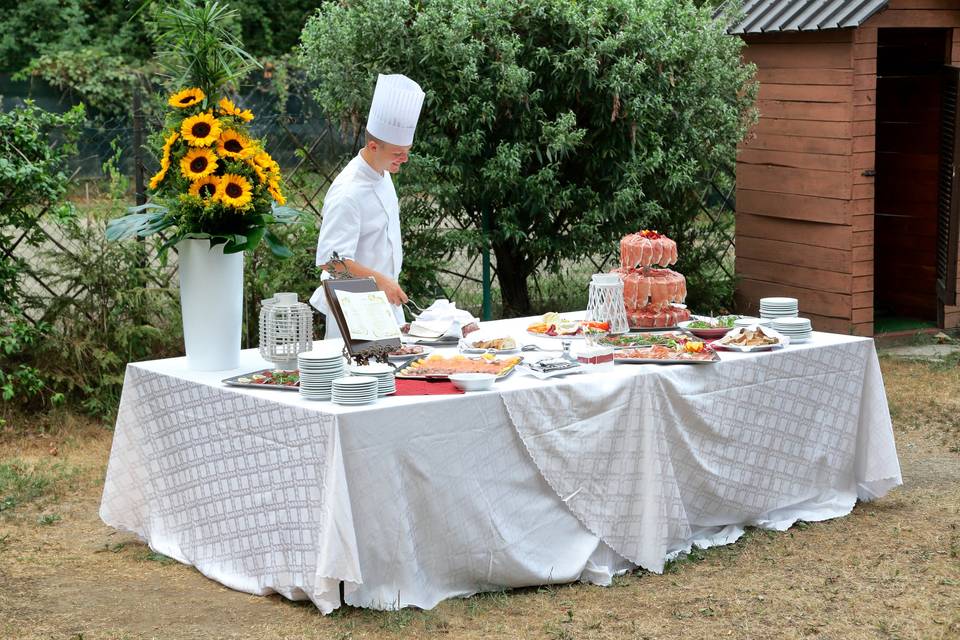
(795, 196)
(805, 211)
(899, 14)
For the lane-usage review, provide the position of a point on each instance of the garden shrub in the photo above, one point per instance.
(32, 184)
(112, 304)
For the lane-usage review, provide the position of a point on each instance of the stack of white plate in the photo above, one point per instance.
(749, 322)
(778, 307)
(797, 329)
(384, 373)
(355, 390)
(318, 370)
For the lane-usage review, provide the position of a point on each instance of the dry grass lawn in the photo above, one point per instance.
(889, 570)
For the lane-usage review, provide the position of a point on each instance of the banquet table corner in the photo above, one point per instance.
(415, 499)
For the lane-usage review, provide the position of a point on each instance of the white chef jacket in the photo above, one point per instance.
(361, 222)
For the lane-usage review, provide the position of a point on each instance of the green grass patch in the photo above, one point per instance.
(48, 519)
(22, 482)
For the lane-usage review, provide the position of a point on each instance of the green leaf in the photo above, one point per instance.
(285, 215)
(138, 224)
(276, 245)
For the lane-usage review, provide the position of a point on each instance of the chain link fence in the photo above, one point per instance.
(311, 151)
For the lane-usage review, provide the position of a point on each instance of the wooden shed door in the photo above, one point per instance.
(948, 197)
(910, 65)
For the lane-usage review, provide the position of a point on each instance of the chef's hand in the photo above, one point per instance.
(389, 286)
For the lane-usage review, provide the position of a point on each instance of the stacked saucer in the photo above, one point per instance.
(778, 307)
(749, 322)
(797, 329)
(318, 370)
(384, 373)
(355, 390)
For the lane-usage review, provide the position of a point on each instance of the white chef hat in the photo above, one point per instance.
(395, 109)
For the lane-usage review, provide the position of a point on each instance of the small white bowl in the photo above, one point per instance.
(473, 381)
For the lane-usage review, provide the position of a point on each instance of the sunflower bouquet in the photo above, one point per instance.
(215, 181)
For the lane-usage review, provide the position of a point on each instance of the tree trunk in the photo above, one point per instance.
(512, 272)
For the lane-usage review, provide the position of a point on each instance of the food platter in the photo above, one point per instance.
(438, 367)
(781, 340)
(553, 325)
(645, 339)
(645, 355)
(279, 379)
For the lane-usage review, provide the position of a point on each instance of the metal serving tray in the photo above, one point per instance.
(235, 381)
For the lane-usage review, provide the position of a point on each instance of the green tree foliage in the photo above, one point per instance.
(566, 124)
(94, 51)
(33, 28)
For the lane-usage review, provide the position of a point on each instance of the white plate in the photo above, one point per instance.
(374, 370)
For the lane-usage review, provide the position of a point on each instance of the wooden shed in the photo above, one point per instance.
(846, 186)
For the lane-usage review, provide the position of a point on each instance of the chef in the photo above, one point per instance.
(361, 214)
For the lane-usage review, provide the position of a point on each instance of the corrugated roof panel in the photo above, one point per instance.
(765, 16)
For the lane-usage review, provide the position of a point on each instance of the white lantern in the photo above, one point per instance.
(606, 302)
(286, 329)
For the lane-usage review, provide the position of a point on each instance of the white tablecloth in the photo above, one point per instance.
(416, 499)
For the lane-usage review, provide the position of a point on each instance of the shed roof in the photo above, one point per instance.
(765, 16)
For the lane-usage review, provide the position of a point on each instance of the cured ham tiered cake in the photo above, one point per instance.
(648, 291)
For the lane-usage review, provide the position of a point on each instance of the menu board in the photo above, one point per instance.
(368, 315)
(362, 320)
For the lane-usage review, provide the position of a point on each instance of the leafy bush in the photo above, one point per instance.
(32, 181)
(550, 128)
(106, 303)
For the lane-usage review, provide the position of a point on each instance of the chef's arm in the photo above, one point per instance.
(395, 295)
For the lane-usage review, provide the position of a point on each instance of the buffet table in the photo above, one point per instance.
(419, 498)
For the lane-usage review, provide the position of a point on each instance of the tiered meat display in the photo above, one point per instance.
(650, 292)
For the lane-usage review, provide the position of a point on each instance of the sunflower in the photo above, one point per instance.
(234, 191)
(267, 163)
(164, 161)
(256, 168)
(274, 189)
(234, 145)
(168, 144)
(198, 163)
(227, 108)
(201, 130)
(205, 187)
(159, 176)
(186, 98)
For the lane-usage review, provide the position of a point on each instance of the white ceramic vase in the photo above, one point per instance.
(211, 299)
